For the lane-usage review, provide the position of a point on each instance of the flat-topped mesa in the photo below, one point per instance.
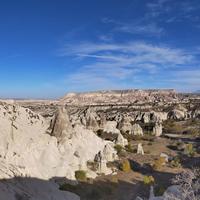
(116, 96)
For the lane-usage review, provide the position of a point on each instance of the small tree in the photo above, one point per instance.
(190, 147)
(125, 165)
(80, 175)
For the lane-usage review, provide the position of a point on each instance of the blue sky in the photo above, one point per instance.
(51, 47)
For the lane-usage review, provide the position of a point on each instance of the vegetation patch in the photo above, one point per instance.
(80, 175)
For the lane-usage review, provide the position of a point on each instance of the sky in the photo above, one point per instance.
(49, 48)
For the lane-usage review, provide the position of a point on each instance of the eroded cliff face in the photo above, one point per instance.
(31, 147)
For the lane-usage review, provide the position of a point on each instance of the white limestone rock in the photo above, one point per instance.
(176, 114)
(120, 140)
(136, 129)
(27, 151)
(125, 124)
(140, 149)
(110, 127)
(157, 129)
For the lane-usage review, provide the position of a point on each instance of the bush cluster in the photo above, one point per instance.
(129, 149)
(171, 127)
(174, 163)
(189, 150)
(148, 179)
(157, 164)
(118, 148)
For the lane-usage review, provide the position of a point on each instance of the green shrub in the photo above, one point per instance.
(150, 143)
(118, 148)
(100, 132)
(148, 151)
(115, 181)
(137, 136)
(125, 165)
(175, 164)
(148, 179)
(169, 126)
(130, 139)
(193, 131)
(123, 132)
(90, 180)
(127, 131)
(157, 164)
(149, 135)
(190, 148)
(186, 152)
(80, 175)
(143, 144)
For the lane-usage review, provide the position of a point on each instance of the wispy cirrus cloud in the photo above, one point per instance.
(106, 38)
(136, 52)
(183, 80)
(173, 11)
(113, 64)
(137, 27)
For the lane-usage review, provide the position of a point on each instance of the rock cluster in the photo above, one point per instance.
(29, 147)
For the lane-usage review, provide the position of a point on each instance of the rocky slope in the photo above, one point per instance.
(31, 147)
(117, 96)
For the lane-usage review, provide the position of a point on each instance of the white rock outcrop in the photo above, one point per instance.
(27, 151)
(110, 127)
(120, 140)
(157, 129)
(136, 129)
(140, 149)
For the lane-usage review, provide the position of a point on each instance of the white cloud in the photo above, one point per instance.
(106, 38)
(132, 52)
(151, 29)
(137, 27)
(114, 64)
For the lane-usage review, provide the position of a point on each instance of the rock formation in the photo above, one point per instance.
(110, 96)
(110, 127)
(26, 150)
(140, 149)
(136, 129)
(120, 140)
(157, 130)
(125, 124)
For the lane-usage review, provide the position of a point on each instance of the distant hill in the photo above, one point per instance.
(197, 92)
